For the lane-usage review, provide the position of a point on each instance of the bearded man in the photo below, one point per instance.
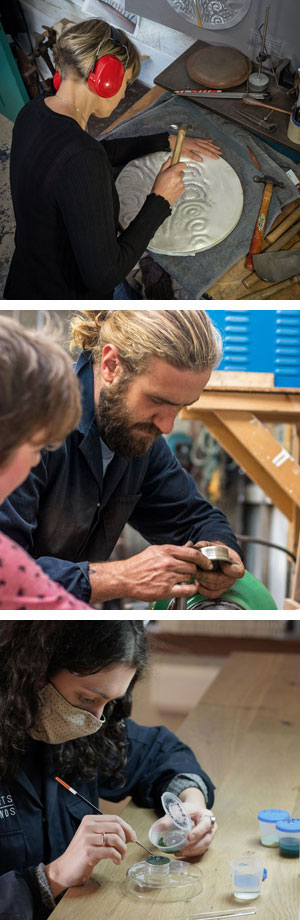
(137, 369)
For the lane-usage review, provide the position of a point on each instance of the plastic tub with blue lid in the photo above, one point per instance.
(268, 818)
(289, 837)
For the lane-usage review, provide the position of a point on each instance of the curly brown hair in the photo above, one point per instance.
(31, 653)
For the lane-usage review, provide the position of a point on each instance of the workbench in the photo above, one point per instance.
(236, 282)
(176, 77)
(234, 408)
(246, 734)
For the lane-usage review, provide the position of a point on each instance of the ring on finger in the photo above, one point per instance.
(212, 819)
(103, 839)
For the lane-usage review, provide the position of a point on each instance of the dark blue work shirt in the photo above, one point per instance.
(67, 515)
(38, 817)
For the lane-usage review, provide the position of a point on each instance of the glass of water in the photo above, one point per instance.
(247, 875)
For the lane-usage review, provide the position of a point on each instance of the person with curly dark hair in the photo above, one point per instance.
(65, 701)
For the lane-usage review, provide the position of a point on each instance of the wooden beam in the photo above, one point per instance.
(255, 449)
(167, 643)
(242, 380)
(276, 407)
(137, 107)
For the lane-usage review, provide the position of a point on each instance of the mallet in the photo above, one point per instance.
(260, 225)
(181, 129)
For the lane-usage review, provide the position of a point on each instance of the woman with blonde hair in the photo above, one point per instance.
(39, 407)
(136, 369)
(65, 200)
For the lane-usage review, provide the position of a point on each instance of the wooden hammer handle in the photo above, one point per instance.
(263, 105)
(178, 146)
(260, 225)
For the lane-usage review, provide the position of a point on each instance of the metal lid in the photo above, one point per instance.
(175, 810)
(272, 815)
(214, 552)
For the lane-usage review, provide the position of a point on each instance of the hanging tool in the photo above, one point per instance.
(181, 129)
(260, 225)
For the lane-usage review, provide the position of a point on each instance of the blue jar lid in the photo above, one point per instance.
(272, 815)
(289, 825)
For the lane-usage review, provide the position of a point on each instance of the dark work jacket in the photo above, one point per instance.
(38, 818)
(65, 515)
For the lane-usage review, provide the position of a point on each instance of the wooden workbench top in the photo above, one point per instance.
(245, 732)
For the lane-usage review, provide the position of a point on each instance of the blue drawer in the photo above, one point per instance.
(261, 340)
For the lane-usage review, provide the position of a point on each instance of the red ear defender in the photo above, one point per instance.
(107, 77)
(56, 80)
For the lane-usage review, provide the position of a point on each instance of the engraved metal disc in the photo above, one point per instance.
(211, 14)
(207, 212)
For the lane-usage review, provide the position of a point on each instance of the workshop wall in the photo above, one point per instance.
(283, 30)
(161, 34)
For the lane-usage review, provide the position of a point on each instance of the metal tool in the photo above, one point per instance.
(260, 122)
(181, 129)
(277, 266)
(260, 225)
(216, 554)
(259, 80)
(248, 100)
(94, 807)
(217, 93)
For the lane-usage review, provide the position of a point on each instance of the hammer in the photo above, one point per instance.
(182, 129)
(260, 225)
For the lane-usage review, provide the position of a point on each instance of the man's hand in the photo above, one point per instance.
(158, 573)
(213, 584)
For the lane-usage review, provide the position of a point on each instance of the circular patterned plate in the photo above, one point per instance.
(211, 14)
(206, 213)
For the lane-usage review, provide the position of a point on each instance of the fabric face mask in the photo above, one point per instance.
(59, 721)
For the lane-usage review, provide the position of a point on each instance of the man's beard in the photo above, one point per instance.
(117, 427)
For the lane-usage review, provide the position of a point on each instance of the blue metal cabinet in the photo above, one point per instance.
(261, 340)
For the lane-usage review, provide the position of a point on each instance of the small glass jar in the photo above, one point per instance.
(289, 837)
(268, 818)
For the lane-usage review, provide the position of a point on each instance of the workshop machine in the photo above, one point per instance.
(248, 593)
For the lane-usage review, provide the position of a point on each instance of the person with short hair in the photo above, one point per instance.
(39, 407)
(136, 370)
(66, 205)
(65, 701)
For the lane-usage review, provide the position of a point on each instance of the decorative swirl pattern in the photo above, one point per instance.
(214, 14)
(206, 213)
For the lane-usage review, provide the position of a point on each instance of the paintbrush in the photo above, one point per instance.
(94, 807)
